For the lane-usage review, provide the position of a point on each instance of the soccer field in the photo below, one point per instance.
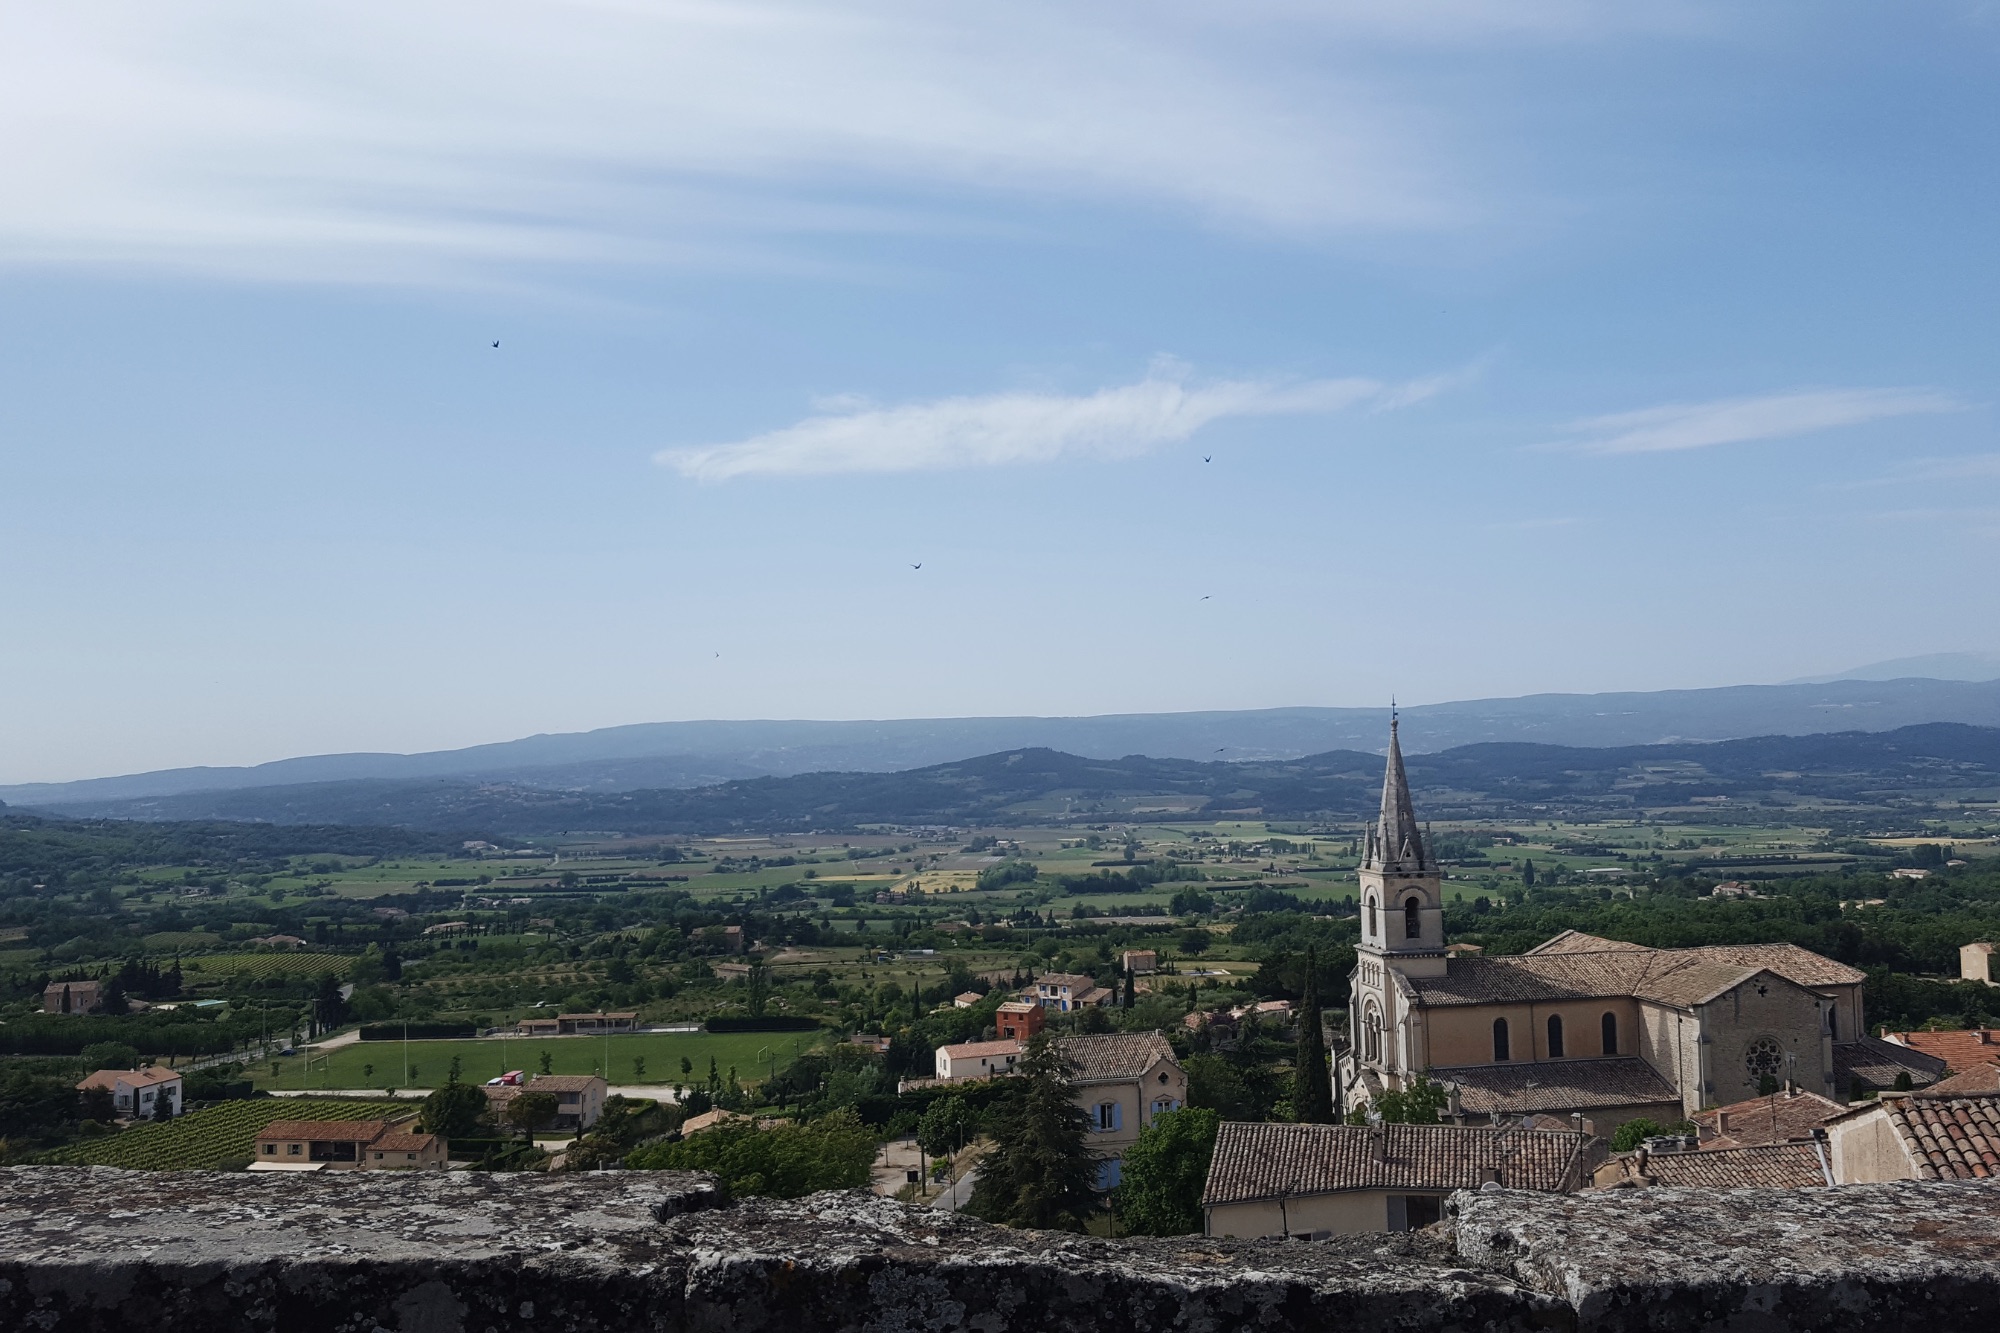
(382, 1064)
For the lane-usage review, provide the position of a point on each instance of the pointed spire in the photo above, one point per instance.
(1398, 841)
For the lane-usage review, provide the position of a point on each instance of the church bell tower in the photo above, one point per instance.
(1402, 940)
(1402, 889)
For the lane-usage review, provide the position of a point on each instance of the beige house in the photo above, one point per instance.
(137, 1092)
(978, 1059)
(1122, 1081)
(1918, 1136)
(347, 1145)
(579, 1098)
(1316, 1181)
(1064, 991)
(1582, 1025)
(72, 997)
(1139, 962)
(1975, 963)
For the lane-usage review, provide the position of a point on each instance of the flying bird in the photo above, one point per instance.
(496, 342)
(1206, 458)
(918, 565)
(1204, 597)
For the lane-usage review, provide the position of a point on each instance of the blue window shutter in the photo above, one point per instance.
(1117, 1115)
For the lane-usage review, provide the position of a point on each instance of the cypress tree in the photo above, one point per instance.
(1041, 1172)
(1312, 1091)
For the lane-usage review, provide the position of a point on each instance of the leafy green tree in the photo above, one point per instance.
(1195, 940)
(1635, 1132)
(1420, 1102)
(1312, 1086)
(1041, 1172)
(638, 1069)
(454, 1111)
(530, 1111)
(1159, 1193)
(947, 1126)
(548, 1064)
(834, 1152)
(163, 1107)
(110, 1055)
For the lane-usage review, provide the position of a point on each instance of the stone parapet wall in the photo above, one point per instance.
(96, 1249)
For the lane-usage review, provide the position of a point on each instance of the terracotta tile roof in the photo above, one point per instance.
(1557, 1085)
(324, 1131)
(1114, 1057)
(1959, 1050)
(1949, 1138)
(1264, 1161)
(1775, 1119)
(399, 1141)
(1076, 981)
(1575, 966)
(973, 1049)
(137, 1078)
(1784, 1166)
(562, 1082)
(1876, 1063)
(1980, 1078)
(1575, 941)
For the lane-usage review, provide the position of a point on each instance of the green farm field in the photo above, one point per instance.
(379, 1064)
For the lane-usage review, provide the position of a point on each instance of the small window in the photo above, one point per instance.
(409, 1156)
(1608, 1026)
(1371, 915)
(1413, 919)
(270, 1150)
(1555, 1036)
(378, 1156)
(293, 1149)
(1500, 1051)
(1108, 1116)
(1163, 1073)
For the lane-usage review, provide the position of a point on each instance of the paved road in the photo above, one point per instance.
(959, 1193)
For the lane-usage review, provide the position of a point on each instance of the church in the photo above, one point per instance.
(1581, 1026)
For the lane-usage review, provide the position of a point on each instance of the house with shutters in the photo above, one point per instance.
(72, 997)
(1122, 1080)
(1581, 1025)
(138, 1092)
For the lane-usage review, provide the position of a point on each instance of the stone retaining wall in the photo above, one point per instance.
(462, 1252)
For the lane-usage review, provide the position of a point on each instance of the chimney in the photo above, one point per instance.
(1722, 1122)
(1378, 1143)
(1576, 1121)
(1451, 1103)
(1985, 1036)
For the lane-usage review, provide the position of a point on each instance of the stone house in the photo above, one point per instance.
(1975, 962)
(137, 1092)
(1316, 1181)
(1582, 1025)
(72, 997)
(1139, 962)
(1959, 1051)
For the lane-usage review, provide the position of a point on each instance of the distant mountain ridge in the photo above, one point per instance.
(704, 753)
(1848, 770)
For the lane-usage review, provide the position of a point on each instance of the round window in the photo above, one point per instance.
(1763, 1057)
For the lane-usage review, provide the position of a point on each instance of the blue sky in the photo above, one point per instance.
(1534, 346)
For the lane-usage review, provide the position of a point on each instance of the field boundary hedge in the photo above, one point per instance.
(417, 1031)
(780, 1023)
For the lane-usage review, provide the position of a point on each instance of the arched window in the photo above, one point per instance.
(1608, 1026)
(1500, 1040)
(1413, 921)
(1555, 1036)
(1371, 916)
(1371, 1034)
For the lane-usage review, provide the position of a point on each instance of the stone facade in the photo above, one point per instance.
(1612, 1031)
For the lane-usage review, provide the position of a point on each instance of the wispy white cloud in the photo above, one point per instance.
(365, 137)
(995, 430)
(1964, 467)
(1774, 416)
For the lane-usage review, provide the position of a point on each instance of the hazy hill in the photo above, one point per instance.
(1508, 780)
(698, 754)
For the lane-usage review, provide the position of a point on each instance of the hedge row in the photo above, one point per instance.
(775, 1023)
(416, 1031)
